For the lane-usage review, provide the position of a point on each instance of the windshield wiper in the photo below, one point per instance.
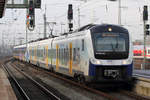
(113, 47)
(116, 42)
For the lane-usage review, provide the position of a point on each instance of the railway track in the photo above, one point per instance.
(105, 95)
(134, 95)
(110, 96)
(141, 75)
(128, 94)
(29, 88)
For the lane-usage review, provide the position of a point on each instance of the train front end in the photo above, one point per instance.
(112, 54)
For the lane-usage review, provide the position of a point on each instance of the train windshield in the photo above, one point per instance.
(111, 45)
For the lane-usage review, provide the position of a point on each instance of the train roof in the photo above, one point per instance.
(86, 27)
(104, 28)
(92, 27)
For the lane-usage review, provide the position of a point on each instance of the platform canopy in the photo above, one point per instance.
(2, 7)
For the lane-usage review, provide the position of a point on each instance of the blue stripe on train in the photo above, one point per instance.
(130, 69)
(92, 69)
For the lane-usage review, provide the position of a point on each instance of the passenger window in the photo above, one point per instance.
(74, 54)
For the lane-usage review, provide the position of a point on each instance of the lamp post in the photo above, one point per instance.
(62, 27)
(145, 19)
(119, 11)
(51, 27)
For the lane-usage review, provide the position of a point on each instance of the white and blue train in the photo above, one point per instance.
(100, 53)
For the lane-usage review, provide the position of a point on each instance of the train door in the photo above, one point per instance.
(35, 54)
(46, 54)
(30, 51)
(39, 53)
(83, 57)
(57, 55)
(70, 58)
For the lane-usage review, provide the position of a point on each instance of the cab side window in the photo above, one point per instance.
(82, 44)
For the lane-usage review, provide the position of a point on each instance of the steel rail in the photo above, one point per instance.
(128, 93)
(140, 75)
(133, 95)
(38, 84)
(103, 94)
(20, 89)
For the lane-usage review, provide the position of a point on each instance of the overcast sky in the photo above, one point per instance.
(92, 11)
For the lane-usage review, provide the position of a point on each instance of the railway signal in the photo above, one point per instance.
(146, 31)
(145, 13)
(70, 17)
(70, 12)
(31, 8)
(31, 15)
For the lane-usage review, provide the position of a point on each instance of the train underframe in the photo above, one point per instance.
(99, 76)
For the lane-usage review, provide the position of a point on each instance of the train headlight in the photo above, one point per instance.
(125, 62)
(98, 62)
(95, 61)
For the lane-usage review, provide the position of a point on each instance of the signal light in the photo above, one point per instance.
(31, 8)
(27, 16)
(27, 22)
(31, 3)
(31, 11)
(147, 32)
(145, 13)
(37, 3)
(70, 12)
(147, 26)
(31, 23)
(70, 25)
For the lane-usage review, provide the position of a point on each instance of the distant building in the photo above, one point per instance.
(138, 42)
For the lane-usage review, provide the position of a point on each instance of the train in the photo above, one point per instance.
(138, 51)
(92, 53)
